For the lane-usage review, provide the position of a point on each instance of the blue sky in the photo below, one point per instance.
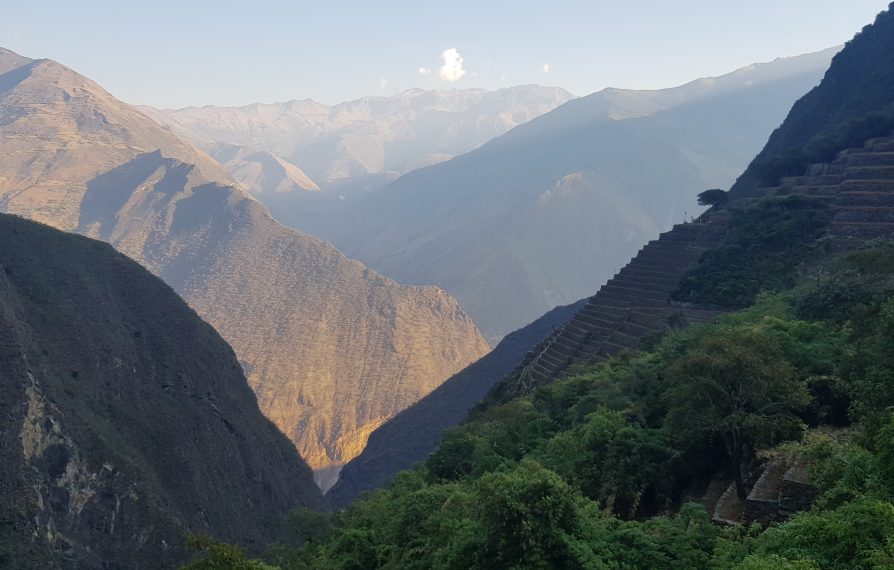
(195, 52)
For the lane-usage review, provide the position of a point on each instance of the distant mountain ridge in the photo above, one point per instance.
(331, 348)
(544, 214)
(368, 135)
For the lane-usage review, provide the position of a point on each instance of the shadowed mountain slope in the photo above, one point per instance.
(331, 348)
(127, 421)
(855, 101)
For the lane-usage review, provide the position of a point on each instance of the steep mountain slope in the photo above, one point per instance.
(544, 214)
(331, 348)
(126, 419)
(413, 434)
(859, 81)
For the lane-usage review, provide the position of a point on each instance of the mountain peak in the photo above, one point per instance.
(10, 60)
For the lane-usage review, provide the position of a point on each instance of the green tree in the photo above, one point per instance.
(220, 556)
(531, 520)
(713, 197)
(737, 386)
(612, 461)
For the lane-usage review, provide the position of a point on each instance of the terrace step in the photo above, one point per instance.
(862, 230)
(624, 289)
(856, 185)
(864, 214)
(870, 159)
(870, 173)
(651, 282)
(814, 191)
(881, 199)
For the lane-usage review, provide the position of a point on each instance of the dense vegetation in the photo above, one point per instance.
(594, 471)
(600, 470)
(765, 250)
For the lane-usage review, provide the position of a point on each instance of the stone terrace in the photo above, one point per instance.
(635, 303)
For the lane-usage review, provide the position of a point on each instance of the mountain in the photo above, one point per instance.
(127, 421)
(354, 147)
(544, 214)
(368, 135)
(412, 435)
(854, 102)
(262, 171)
(331, 348)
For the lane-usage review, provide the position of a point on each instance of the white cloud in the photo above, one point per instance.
(452, 70)
(545, 68)
(383, 83)
(424, 71)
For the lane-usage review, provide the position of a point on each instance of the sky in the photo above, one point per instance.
(176, 53)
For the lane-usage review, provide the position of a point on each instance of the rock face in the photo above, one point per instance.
(545, 214)
(416, 432)
(331, 348)
(126, 419)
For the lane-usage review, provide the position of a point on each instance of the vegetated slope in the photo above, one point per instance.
(332, 348)
(546, 213)
(413, 434)
(854, 102)
(127, 421)
(584, 471)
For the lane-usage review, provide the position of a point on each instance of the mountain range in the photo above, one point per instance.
(352, 148)
(331, 348)
(544, 214)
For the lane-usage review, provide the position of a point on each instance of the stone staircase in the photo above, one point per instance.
(632, 305)
(859, 186)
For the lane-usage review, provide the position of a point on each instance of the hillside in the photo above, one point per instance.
(331, 348)
(854, 102)
(127, 421)
(545, 214)
(412, 435)
(661, 453)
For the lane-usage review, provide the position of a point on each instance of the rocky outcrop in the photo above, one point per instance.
(125, 420)
(332, 349)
